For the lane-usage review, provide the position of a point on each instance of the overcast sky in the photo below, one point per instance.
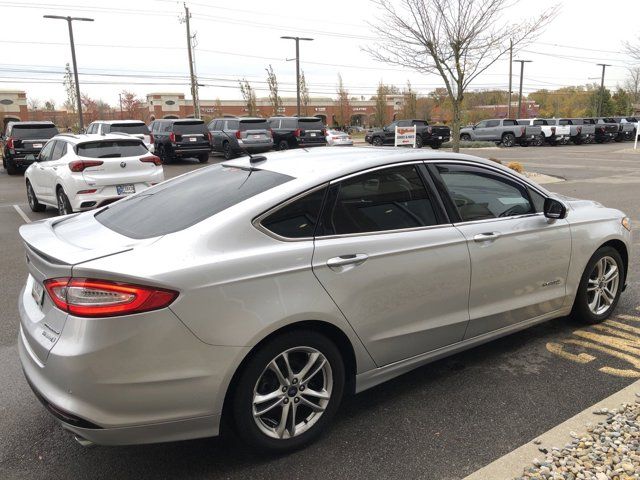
(141, 46)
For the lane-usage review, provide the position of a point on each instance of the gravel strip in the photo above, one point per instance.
(609, 450)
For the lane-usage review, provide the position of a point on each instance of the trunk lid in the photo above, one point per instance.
(118, 171)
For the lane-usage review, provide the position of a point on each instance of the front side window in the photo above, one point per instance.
(482, 124)
(297, 219)
(390, 199)
(479, 194)
(505, 123)
(47, 151)
(59, 150)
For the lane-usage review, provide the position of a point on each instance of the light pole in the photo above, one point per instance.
(297, 39)
(73, 58)
(522, 62)
(601, 96)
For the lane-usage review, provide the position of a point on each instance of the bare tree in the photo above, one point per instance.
(304, 94)
(456, 39)
(70, 88)
(632, 84)
(34, 104)
(249, 96)
(343, 113)
(380, 115)
(274, 97)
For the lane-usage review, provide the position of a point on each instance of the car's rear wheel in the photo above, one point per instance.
(419, 141)
(436, 145)
(64, 206)
(203, 158)
(600, 286)
(11, 167)
(34, 205)
(508, 139)
(288, 391)
(162, 154)
(283, 145)
(465, 137)
(227, 151)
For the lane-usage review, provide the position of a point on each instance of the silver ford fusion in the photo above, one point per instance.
(260, 291)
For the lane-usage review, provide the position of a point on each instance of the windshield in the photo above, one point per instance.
(131, 128)
(112, 149)
(34, 131)
(190, 127)
(186, 200)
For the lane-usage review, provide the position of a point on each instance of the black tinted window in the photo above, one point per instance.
(232, 125)
(59, 150)
(493, 123)
(131, 128)
(298, 219)
(112, 149)
(190, 127)
(47, 151)
(564, 122)
(310, 124)
(186, 200)
(479, 194)
(508, 123)
(254, 125)
(289, 123)
(27, 132)
(389, 199)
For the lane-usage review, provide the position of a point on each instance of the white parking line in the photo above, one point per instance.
(22, 214)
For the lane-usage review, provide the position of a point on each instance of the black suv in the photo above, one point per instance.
(22, 143)
(180, 138)
(233, 136)
(292, 132)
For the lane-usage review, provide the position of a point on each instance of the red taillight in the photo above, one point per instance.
(296, 132)
(271, 132)
(151, 159)
(238, 134)
(522, 130)
(172, 137)
(553, 130)
(10, 142)
(579, 129)
(324, 132)
(101, 298)
(209, 136)
(85, 192)
(151, 139)
(429, 130)
(80, 165)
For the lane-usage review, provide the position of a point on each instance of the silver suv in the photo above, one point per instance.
(234, 136)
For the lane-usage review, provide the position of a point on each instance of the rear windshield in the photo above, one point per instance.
(186, 200)
(131, 128)
(311, 124)
(539, 122)
(40, 132)
(253, 125)
(564, 122)
(191, 127)
(112, 149)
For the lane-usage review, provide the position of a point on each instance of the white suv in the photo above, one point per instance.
(81, 172)
(135, 128)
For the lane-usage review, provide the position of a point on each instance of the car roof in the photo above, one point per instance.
(33, 122)
(93, 137)
(318, 165)
(179, 120)
(113, 122)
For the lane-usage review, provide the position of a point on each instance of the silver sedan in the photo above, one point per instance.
(336, 138)
(262, 291)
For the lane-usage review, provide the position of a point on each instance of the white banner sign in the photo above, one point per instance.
(405, 136)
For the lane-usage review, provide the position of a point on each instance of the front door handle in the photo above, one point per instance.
(355, 259)
(486, 237)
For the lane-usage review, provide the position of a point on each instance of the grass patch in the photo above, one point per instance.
(478, 144)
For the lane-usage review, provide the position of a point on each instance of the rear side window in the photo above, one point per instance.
(389, 199)
(39, 132)
(289, 123)
(232, 125)
(494, 123)
(253, 125)
(112, 149)
(509, 123)
(564, 122)
(186, 200)
(274, 123)
(189, 127)
(131, 128)
(297, 219)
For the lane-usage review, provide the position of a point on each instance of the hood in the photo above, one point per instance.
(576, 203)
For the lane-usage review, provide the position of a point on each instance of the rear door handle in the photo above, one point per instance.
(486, 237)
(355, 259)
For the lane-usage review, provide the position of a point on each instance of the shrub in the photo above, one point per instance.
(493, 159)
(517, 166)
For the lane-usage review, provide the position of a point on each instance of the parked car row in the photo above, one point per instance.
(551, 131)
(433, 136)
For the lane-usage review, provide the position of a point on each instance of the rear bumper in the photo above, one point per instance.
(105, 194)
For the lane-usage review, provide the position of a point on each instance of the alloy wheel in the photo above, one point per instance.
(62, 203)
(31, 197)
(602, 286)
(292, 392)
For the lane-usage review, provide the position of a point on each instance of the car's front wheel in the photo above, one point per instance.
(34, 204)
(508, 139)
(288, 391)
(600, 286)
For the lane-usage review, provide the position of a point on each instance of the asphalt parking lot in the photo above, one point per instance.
(442, 421)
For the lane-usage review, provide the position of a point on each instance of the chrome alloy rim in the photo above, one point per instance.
(62, 208)
(602, 286)
(292, 392)
(30, 196)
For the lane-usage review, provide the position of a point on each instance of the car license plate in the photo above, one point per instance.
(313, 134)
(439, 138)
(37, 292)
(256, 136)
(37, 145)
(125, 189)
(193, 139)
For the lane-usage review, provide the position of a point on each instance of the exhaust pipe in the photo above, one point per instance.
(83, 441)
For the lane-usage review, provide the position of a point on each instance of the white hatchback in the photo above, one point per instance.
(80, 172)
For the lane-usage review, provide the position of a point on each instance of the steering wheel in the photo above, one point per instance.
(515, 210)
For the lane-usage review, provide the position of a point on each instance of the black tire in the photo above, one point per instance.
(581, 310)
(283, 145)
(203, 158)
(64, 207)
(419, 141)
(162, 154)
(436, 145)
(10, 167)
(34, 205)
(377, 142)
(227, 151)
(578, 140)
(508, 140)
(465, 137)
(246, 427)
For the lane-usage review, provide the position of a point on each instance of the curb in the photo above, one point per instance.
(512, 464)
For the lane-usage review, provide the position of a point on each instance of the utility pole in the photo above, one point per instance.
(522, 62)
(120, 97)
(601, 96)
(297, 39)
(510, 76)
(194, 83)
(73, 58)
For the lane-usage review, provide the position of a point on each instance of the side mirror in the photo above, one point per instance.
(554, 209)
